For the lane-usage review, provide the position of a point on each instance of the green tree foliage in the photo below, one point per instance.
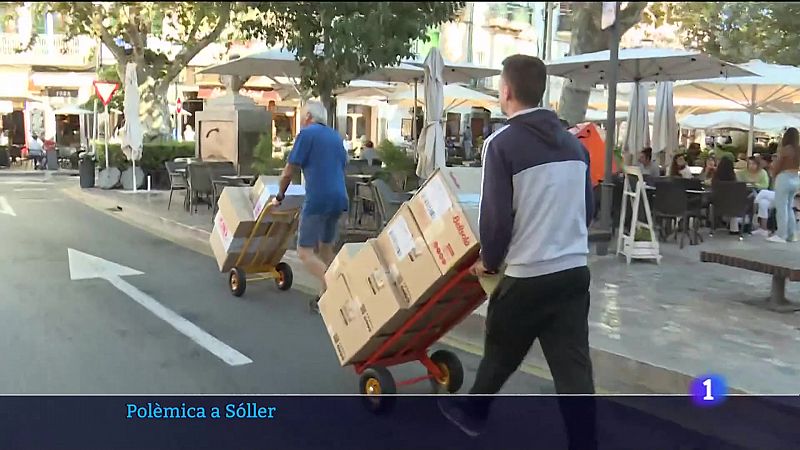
(588, 37)
(264, 161)
(338, 42)
(740, 31)
(160, 37)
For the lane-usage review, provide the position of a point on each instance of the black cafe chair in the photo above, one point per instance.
(730, 199)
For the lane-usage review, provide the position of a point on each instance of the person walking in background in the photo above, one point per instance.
(466, 142)
(787, 183)
(188, 133)
(544, 293)
(319, 152)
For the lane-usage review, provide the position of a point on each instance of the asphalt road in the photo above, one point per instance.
(59, 335)
(148, 327)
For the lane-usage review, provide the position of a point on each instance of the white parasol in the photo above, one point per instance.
(132, 136)
(431, 140)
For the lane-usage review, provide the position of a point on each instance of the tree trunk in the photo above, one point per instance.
(587, 37)
(154, 110)
(327, 100)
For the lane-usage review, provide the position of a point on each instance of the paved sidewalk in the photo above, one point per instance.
(652, 327)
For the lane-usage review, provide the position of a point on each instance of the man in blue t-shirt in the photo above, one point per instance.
(318, 151)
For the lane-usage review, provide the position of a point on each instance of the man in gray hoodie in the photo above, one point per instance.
(536, 206)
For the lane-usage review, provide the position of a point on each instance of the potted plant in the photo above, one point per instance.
(399, 165)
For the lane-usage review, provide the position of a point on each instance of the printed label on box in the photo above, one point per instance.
(401, 238)
(350, 310)
(437, 201)
(224, 232)
(469, 199)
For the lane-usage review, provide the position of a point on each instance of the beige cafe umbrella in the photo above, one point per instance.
(132, 136)
(430, 147)
(771, 86)
(665, 125)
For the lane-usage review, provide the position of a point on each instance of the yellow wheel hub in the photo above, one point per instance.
(235, 282)
(444, 380)
(373, 387)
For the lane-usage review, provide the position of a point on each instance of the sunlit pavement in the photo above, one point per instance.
(134, 313)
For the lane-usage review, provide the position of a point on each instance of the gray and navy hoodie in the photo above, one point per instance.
(536, 197)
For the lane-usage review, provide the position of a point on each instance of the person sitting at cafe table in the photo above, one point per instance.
(646, 163)
(679, 168)
(754, 174)
(708, 170)
(725, 172)
(693, 153)
(368, 153)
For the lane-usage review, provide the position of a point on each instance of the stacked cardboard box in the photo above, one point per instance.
(236, 218)
(373, 288)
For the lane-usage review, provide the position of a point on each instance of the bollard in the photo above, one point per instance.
(148, 183)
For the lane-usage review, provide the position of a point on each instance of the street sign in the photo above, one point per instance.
(609, 15)
(178, 106)
(105, 90)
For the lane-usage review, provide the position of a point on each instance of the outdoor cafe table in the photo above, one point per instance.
(249, 179)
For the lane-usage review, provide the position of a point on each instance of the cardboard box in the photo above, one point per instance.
(234, 206)
(263, 193)
(343, 319)
(347, 252)
(233, 225)
(369, 284)
(406, 256)
(447, 214)
(261, 183)
(226, 246)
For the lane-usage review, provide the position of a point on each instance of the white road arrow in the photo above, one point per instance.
(83, 266)
(5, 208)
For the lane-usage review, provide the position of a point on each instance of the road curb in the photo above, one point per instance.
(36, 173)
(613, 372)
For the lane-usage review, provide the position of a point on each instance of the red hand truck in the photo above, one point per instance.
(457, 298)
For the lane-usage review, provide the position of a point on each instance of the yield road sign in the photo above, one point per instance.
(105, 90)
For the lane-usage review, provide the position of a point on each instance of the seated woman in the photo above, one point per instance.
(754, 174)
(708, 170)
(725, 172)
(679, 168)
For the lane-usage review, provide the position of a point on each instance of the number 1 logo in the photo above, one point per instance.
(708, 390)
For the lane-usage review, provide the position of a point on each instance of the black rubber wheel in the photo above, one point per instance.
(237, 280)
(285, 278)
(374, 383)
(453, 371)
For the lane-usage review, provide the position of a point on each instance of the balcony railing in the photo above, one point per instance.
(51, 49)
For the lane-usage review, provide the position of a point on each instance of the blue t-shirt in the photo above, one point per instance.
(319, 152)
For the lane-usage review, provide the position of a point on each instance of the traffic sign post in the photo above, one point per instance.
(105, 91)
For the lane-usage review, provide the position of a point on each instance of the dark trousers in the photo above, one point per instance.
(553, 308)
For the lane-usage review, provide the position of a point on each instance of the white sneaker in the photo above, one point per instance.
(761, 232)
(793, 238)
(777, 239)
